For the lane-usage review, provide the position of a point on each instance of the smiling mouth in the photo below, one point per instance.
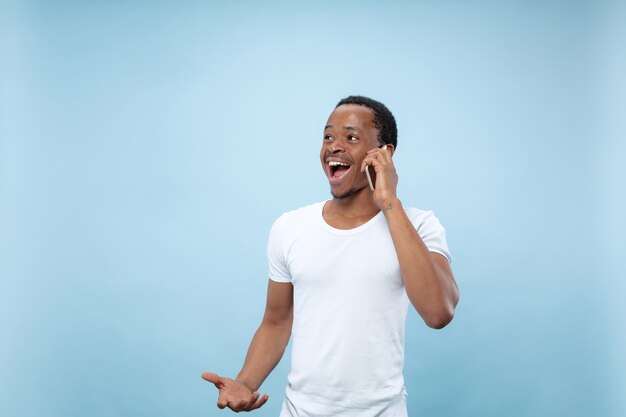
(337, 170)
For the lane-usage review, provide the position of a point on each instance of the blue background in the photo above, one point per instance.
(147, 147)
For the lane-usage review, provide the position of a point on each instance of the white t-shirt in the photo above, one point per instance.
(350, 307)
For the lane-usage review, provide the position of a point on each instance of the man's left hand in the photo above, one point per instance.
(386, 176)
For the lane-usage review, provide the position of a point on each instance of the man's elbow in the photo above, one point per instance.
(444, 314)
(440, 320)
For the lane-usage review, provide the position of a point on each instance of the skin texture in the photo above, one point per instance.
(267, 347)
(350, 137)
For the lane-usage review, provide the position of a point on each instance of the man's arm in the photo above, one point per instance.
(272, 337)
(265, 351)
(427, 276)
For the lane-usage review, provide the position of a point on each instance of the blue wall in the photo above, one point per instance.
(147, 147)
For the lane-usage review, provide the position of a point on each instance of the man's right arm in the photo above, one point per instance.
(272, 337)
(265, 351)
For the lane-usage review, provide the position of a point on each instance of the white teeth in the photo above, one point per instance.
(337, 163)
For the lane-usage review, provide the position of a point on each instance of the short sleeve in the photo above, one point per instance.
(432, 233)
(276, 259)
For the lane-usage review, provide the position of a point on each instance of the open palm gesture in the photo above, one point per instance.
(234, 394)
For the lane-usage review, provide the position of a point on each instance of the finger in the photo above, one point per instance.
(382, 148)
(388, 154)
(237, 406)
(221, 402)
(383, 158)
(252, 401)
(368, 160)
(213, 378)
(260, 402)
(372, 159)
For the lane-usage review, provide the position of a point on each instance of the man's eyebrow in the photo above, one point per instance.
(356, 129)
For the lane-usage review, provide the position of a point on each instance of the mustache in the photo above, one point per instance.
(338, 157)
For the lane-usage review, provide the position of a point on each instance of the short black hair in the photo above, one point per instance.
(383, 118)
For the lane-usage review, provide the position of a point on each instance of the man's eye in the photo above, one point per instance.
(328, 138)
(352, 138)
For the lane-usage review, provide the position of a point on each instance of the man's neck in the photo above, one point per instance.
(351, 212)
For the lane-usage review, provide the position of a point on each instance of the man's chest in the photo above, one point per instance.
(364, 262)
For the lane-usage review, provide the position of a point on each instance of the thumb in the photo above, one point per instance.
(212, 378)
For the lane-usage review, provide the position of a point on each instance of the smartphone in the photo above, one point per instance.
(370, 172)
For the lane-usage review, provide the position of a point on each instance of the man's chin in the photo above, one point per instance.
(351, 192)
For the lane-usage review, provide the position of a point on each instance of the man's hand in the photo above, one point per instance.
(234, 394)
(386, 176)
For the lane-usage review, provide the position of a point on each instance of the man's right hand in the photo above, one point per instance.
(234, 394)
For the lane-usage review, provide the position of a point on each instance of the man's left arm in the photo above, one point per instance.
(427, 275)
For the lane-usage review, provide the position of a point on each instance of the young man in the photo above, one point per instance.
(342, 274)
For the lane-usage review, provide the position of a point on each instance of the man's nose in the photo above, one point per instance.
(336, 147)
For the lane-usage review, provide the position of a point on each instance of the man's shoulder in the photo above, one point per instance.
(301, 215)
(305, 211)
(420, 217)
(417, 212)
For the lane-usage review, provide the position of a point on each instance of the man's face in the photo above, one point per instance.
(348, 135)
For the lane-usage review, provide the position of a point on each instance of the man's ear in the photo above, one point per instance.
(390, 148)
